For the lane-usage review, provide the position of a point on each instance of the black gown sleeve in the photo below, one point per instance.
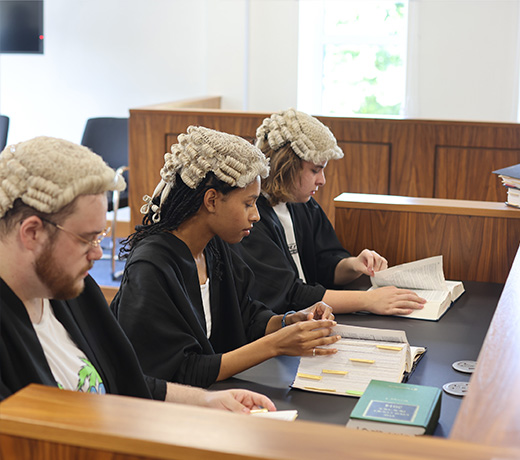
(154, 310)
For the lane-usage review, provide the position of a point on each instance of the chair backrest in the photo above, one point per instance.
(4, 129)
(108, 137)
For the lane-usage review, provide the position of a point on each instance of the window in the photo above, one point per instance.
(352, 57)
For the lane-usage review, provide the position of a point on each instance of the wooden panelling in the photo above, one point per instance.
(399, 157)
(109, 292)
(478, 240)
(459, 172)
(356, 170)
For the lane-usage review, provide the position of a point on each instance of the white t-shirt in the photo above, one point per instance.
(69, 365)
(282, 211)
(204, 291)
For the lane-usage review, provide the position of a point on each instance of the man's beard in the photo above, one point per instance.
(61, 284)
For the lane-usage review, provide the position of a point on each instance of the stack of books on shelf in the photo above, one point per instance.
(511, 180)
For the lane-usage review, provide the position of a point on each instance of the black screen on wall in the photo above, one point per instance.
(21, 26)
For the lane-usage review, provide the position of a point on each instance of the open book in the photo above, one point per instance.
(426, 278)
(363, 354)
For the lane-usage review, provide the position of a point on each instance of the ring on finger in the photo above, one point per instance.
(314, 352)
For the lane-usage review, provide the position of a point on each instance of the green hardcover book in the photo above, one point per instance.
(398, 408)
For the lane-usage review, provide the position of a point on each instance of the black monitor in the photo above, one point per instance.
(21, 26)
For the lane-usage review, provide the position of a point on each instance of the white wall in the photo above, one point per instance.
(103, 57)
(463, 60)
(253, 53)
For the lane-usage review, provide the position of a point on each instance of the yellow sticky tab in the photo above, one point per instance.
(308, 376)
(388, 347)
(366, 361)
(330, 390)
(331, 371)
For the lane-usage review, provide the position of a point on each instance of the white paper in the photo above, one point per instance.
(422, 274)
(288, 415)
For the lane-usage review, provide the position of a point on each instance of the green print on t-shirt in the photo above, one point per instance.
(89, 374)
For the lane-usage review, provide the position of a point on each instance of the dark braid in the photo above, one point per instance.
(181, 203)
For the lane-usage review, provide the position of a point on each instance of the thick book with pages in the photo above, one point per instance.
(426, 278)
(397, 408)
(363, 354)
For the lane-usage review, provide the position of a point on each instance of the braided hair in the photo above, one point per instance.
(181, 203)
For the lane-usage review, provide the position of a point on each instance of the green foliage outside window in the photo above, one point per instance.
(364, 58)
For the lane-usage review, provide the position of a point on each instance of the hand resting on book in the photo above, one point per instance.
(389, 300)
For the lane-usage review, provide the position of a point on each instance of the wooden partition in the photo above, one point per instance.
(435, 159)
(490, 412)
(41, 423)
(477, 239)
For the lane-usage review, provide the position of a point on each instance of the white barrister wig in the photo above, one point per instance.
(309, 138)
(48, 173)
(201, 150)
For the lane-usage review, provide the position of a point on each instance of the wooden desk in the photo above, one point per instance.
(43, 423)
(457, 336)
(478, 239)
(490, 412)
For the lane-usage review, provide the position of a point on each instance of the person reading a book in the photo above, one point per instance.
(184, 298)
(293, 250)
(55, 326)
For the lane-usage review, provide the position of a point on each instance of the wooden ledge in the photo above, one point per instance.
(89, 425)
(426, 205)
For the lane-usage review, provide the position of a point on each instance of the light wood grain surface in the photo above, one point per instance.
(52, 424)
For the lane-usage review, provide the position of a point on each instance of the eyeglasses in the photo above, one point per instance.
(95, 243)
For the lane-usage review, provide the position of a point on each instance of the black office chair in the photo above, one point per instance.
(108, 137)
(4, 129)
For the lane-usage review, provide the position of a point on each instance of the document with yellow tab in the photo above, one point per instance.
(363, 354)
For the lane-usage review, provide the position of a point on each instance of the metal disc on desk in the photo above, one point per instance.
(456, 388)
(466, 366)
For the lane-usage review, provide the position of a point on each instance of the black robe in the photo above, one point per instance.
(159, 306)
(265, 250)
(92, 328)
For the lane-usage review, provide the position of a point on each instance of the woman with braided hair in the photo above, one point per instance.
(293, 251)
(184, 298)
